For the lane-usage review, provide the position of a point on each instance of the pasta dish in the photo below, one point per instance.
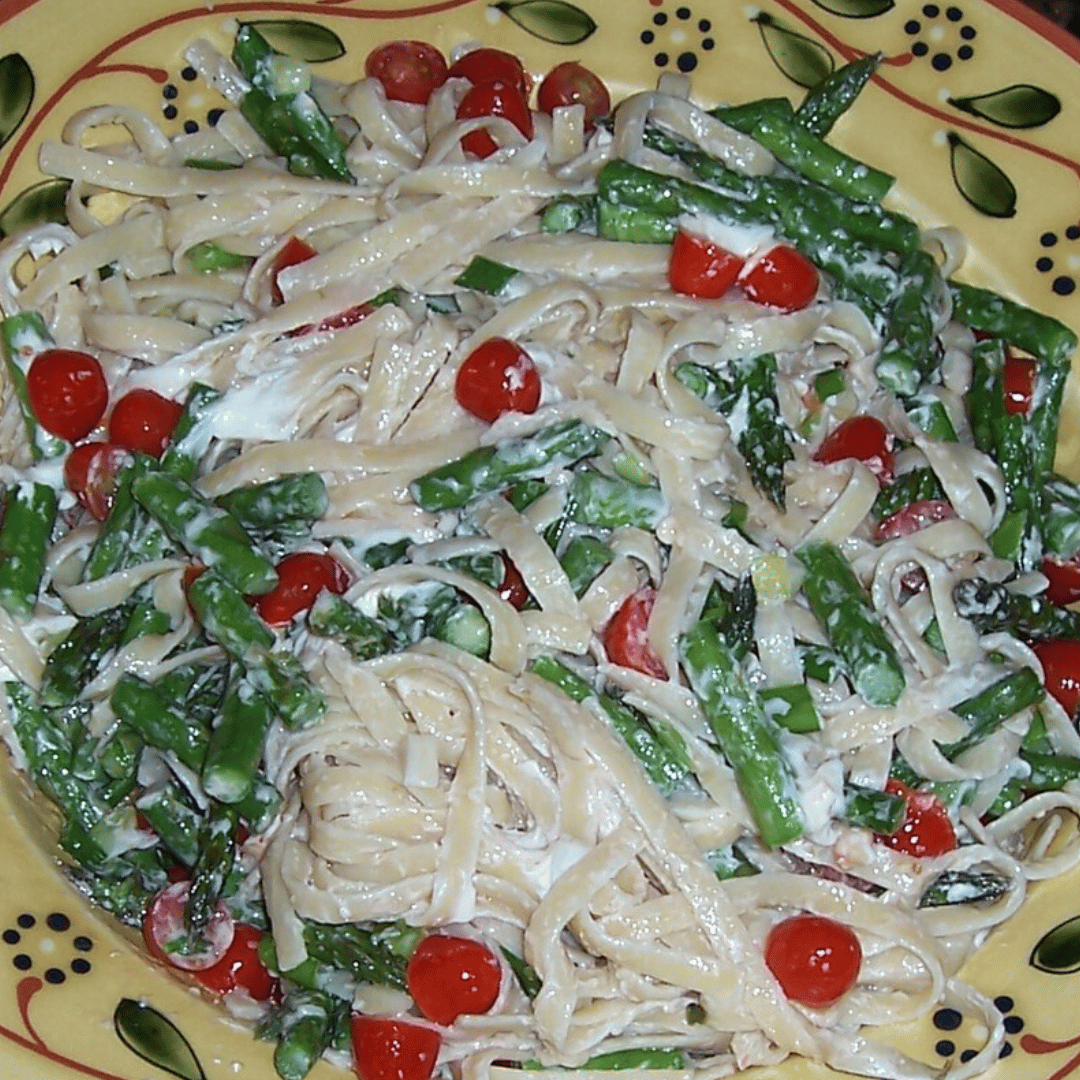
(493, 586)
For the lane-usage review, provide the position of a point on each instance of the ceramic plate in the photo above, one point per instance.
(975, 108)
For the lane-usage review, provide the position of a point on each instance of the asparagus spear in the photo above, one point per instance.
(749, 740)
(191, 437)
(990, 708)
(334, 617)
(844, 609)
(292, 497)
(24, 335)
(77, 658)
(583, 558)
(236, 744)
(829, 99)
(217, 855)
(29, 516)
(611, 503)
(994, 607)
(144, 709)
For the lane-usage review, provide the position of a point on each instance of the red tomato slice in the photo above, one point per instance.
(168, 939)
(492, 65)
(143, 421)
(1061, 671)
(293, 251)
(570, 83)
(240, 970)
(498, 376)
(926, 830)
(452, 976)
(493, 99)
(815, 960)
(913, 517)
(1063, 576)
(512, 588)
(863, 438)
(90, 471)
(67, 391)
(408, 70)
(301, 577)
(348, 317)
(782, 278)
(1018, 378)
(626, 636)
(699, 267)
(389, 1049)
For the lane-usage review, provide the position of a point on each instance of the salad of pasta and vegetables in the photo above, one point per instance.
(494, 581)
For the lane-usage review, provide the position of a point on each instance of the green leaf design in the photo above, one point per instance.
(800, 58)
(308, 41)
(16, 93)
(856, 9)
(552, 20)
(1018, 106)
(980, 181)
(146, 1032)
(34, 206)
(1058, 950)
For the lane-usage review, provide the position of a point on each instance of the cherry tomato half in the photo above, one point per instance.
(301, 577)
(408, 70)
(926, 830)
(1018, 378)
(67, 391)
(389, 1049)
(452, 976)
(626, 636)
(498, 376)
(143, 421)
(512, 588)
(1061, 671)
(914, 517)
(571, 83)
(815, 960)
(699, 267)
(240, 970)
(492, 65)
(863, 438)
(782, 278)
(493, 99)
(1063, 576)
(168, 939)
(90, 471)
(293, 251)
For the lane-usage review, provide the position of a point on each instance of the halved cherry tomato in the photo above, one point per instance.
(168, 939)
(1018, 378)
(1061, 671)
(571, 83)
(492, 65)
(815, 960)
(1063, 576)
(408, 70)
(512, 588)
(240, 969)
(699, 267)
(389, 1049)
(493, 99)
(498, 376)
(293, 251)
(914, 517)
(143, 421)
(452, 976)
(626, 636)
(90, 471)
(782, 278)
(926, 830)
(864, 438)
(301, 577)
(68, 392)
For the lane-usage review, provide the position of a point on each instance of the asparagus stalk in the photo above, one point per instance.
(29, 516)
(235, 747)
(292, 497)
(24, 335)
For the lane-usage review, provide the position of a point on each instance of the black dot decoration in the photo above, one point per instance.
(953, 14)
(1064, 286)
(661, 59)
(967, 1055)
(1013, 1024)
(1044, 264)
(945, 1047)
(682, 13)
(59, 922)
(948, 1019)
(968, 33)
(26, 921)
(686, 62)
(1073, 232)
(170, 112)
(920, 48)
(704, 26)
(912, 26)
(941, 62)
(189, 74)
(659, 19)
(80, 966)
(647, 37)
(708, 44)
(83, 943)
(22, 961)
(191, 126)
(1006, 1050)
(965, 52)
(54, 976)
(931, 11)
(170, 92)
(12, 937)
(679, 51)
(213, 116)
(942, 59)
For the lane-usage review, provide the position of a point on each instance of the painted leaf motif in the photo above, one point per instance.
(36, 205)
(552, 20)
(980, 181)
(1058, 950)
(1018, 106)
(16, 93)
(147, 1033)
(856, 9)
(305, 40)
(800, 58)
